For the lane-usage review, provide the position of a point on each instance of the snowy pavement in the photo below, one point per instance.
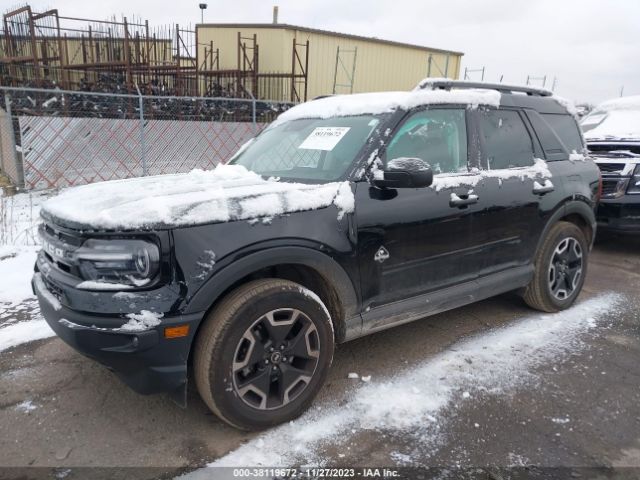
(20, 319)
(492, 384)
(413, 404)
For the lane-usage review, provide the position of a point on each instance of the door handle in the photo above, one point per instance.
(462, 200)
(541, 189)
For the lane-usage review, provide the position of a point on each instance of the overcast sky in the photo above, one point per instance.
(592, 47)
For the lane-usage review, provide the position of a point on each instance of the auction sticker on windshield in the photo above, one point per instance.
(324, 138)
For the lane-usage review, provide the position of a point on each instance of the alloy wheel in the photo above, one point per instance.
(565, 268)
(275, 359)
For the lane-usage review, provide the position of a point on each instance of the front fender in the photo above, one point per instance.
(335, 275)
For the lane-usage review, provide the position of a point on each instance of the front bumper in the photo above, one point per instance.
(620, 215)
(144, 360)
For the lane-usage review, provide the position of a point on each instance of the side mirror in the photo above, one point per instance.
(405, 173)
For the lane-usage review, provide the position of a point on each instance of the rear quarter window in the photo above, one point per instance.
(566, 129)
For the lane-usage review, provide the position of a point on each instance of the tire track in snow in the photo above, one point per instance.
(414, 401)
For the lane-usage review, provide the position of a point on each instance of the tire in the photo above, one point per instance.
(545, 292)
(248, 371)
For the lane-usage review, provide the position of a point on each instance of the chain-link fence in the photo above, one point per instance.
(55, 138)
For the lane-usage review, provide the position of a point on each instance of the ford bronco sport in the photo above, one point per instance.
(347, 216)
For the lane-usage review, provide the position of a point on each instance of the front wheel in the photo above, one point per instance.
(263, 353)
(560, 269)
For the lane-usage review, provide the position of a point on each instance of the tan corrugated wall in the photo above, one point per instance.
(379, 66)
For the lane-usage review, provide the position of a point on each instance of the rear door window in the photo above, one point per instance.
(507, 143)
(567, 129)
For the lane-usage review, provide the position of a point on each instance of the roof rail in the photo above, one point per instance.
(446, 84)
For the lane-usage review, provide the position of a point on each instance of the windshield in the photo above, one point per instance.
(617, 124)
(308, 149)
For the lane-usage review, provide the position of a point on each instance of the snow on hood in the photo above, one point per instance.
(617, 119)
(623, 103)
(230, 192)
(384, 102)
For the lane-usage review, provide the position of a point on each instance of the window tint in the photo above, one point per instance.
(567, 129)
(506, 139)
(439, 137)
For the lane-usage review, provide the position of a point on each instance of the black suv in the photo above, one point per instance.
(612, 132)
(347, 216)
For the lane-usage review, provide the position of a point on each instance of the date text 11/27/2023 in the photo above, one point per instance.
(315, 473)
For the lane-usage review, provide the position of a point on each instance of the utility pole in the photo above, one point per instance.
(622, 90)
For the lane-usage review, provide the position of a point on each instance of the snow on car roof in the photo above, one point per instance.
(384, 102)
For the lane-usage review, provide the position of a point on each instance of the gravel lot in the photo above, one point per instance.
(572, 402)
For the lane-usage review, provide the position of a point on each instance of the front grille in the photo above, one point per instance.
(62, 236)
(57, 248)
(611, 167)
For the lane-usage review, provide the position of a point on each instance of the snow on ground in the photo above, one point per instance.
(415, 401)
(16, 270)
(20, 319)
(229, 192)
(22, 332)
(26, 406)
(19, 218)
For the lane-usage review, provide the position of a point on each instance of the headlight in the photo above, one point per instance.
(634, 183)
(133, 263)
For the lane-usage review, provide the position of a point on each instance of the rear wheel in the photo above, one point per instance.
(560, 269)
(263, 353)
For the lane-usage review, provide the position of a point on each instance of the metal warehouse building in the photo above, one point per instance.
(286, 62)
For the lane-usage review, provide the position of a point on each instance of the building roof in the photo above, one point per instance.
(286, 26)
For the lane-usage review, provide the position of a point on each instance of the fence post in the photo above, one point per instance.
(143, 146)
(17, 156)
(253, 114)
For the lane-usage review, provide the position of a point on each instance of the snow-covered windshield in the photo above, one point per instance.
(617, 125)
(617, 119)
(308, 149)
